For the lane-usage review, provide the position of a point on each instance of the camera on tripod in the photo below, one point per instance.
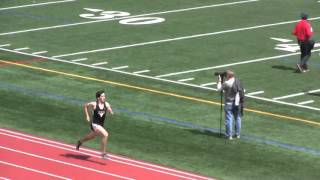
(221, 74)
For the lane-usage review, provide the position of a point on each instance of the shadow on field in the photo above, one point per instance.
(81, 157)
(285, 68)
(206, 133)
(314, 94)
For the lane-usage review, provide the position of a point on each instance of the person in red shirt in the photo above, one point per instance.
(303, 31)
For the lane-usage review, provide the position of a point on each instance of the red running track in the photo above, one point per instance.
(24, 156)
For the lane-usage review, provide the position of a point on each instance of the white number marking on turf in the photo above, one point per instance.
(104, 15)
(142, 20)
(141, 15)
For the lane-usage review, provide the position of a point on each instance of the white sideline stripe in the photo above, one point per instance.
(33, 170)
(81, 59)
(208, 84)
(142, 71)
(284, 103)
(100, 63)
(61, 162)
(39, 52)
(38, 4)
(92, 151)
(187, 79)
(289, 96)
(297, 94)
(181, 38)
(21, 49)
(127, 17)
(255, 93)
(160, 79)
(231, 64)
(306, 102)
(5, 45)
(121, 67)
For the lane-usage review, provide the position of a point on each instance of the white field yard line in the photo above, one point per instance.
(208, 84)
(5, 45)
(37, 4)
(33, 170)
(126, 17)
(115, 69)
(231, 64)
(256, 92)
(100, 63)
(65, 163)
(296, 94)
(142, 71)
(18, 134)
(180, 38)
(306, 102)
(159, 79)
(80, 59)
(21, 49)
(98, 156)
(39, 52)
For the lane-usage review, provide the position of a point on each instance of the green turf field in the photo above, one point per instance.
(156, 60)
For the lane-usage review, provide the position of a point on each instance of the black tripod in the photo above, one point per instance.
(221, 112)
(221, 108)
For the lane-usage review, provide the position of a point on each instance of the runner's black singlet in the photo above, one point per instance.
(99, 115)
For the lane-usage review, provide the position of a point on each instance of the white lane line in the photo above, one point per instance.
(255, 93)
(80, 59)
(119, 161)
(100, 63)
(231, 64)
(5, 45)
(208, 84)
(180, 38)
(160, 79)
(296, 94)
(306, 102)
(62, 145)
(184, 80)
(141, 15)
(38, 4)
(39, 52)
(21, 49)
(33, 170)
(142, 71)
(65, 163)
(3, 178)
(120, 67)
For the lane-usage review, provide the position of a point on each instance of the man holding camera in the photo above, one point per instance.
(303, 32)
(233, 101)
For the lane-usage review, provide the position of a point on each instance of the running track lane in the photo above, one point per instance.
(63, 161)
